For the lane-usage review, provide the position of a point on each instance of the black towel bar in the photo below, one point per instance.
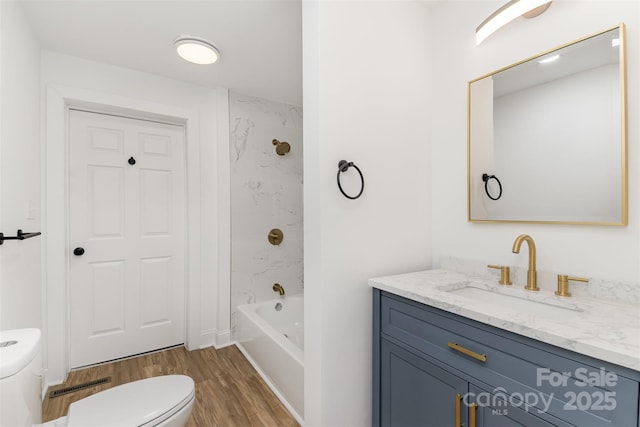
(20, 235)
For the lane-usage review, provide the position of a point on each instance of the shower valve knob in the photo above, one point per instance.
(275, 236)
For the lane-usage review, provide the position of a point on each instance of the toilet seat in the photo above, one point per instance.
(143, 403)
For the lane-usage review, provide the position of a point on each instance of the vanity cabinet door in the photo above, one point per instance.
(492, 411)
(416, 393)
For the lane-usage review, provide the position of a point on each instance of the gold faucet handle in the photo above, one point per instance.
(504, 274)
(563, 284)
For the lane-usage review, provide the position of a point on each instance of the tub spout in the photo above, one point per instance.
(278, 288)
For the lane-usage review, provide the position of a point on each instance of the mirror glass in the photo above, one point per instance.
(547, 137)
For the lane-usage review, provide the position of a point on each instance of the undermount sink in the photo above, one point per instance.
(516, 303)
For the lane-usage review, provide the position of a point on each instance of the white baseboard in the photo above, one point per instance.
(47, 385)
(207, 339)
(223, 339)
(215, 339)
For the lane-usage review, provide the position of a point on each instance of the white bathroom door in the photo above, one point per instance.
(126, 237)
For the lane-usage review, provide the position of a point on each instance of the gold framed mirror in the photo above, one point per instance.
(547, 136)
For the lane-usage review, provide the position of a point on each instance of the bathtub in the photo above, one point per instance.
(271, 335)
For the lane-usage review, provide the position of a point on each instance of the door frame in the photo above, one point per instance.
(55, 185)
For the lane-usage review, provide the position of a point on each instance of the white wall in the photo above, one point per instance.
(20, 281)
(134, 89)
(366, 71)
(266, 193)
(602, 252)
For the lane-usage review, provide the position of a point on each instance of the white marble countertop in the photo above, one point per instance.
(607, 331)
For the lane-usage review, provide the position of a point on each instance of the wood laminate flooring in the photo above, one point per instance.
(229, 391)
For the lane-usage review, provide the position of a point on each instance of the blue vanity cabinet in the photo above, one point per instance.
(494, 411)
(423, 358)
(415, 392)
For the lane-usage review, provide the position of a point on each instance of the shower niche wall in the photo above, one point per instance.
(266, 194)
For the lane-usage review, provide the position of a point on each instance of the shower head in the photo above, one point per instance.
(282, 148)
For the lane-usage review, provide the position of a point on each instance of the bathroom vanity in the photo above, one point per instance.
(454, 350)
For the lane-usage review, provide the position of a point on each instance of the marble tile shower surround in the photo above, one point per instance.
(610, 290)
(266, 193)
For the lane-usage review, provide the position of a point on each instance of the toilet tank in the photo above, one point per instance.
(20, 378)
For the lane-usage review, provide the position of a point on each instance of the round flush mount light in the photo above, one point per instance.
(196, 50)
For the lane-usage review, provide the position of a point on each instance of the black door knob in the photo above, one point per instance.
(78, 251)
(132, 161)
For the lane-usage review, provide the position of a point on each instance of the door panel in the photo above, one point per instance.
(416, 393)
(106, 203)
(126, 292)
(155, 202)
(158, 145)
(496, 412)
(156, 287)
(107, 290)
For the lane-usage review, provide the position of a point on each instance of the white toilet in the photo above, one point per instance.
(164, 401)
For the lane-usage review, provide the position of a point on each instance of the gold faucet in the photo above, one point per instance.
(504, 274)
(278, 288)
(532, 281)
(563, 284)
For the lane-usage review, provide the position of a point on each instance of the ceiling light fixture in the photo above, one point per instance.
(509, 12)
(549, 59)
(196, 50)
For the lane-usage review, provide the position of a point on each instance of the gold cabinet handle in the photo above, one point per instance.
(504, 274)
(458, 417)
(472, 415)
(477, 356)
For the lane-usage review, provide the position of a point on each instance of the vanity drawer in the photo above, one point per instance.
(545, 377)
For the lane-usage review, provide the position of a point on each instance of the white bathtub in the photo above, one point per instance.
(271, 335)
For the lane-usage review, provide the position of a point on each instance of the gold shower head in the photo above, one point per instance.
(282, 148)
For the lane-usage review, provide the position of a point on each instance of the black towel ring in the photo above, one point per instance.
(486, 179)
(344, 166)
